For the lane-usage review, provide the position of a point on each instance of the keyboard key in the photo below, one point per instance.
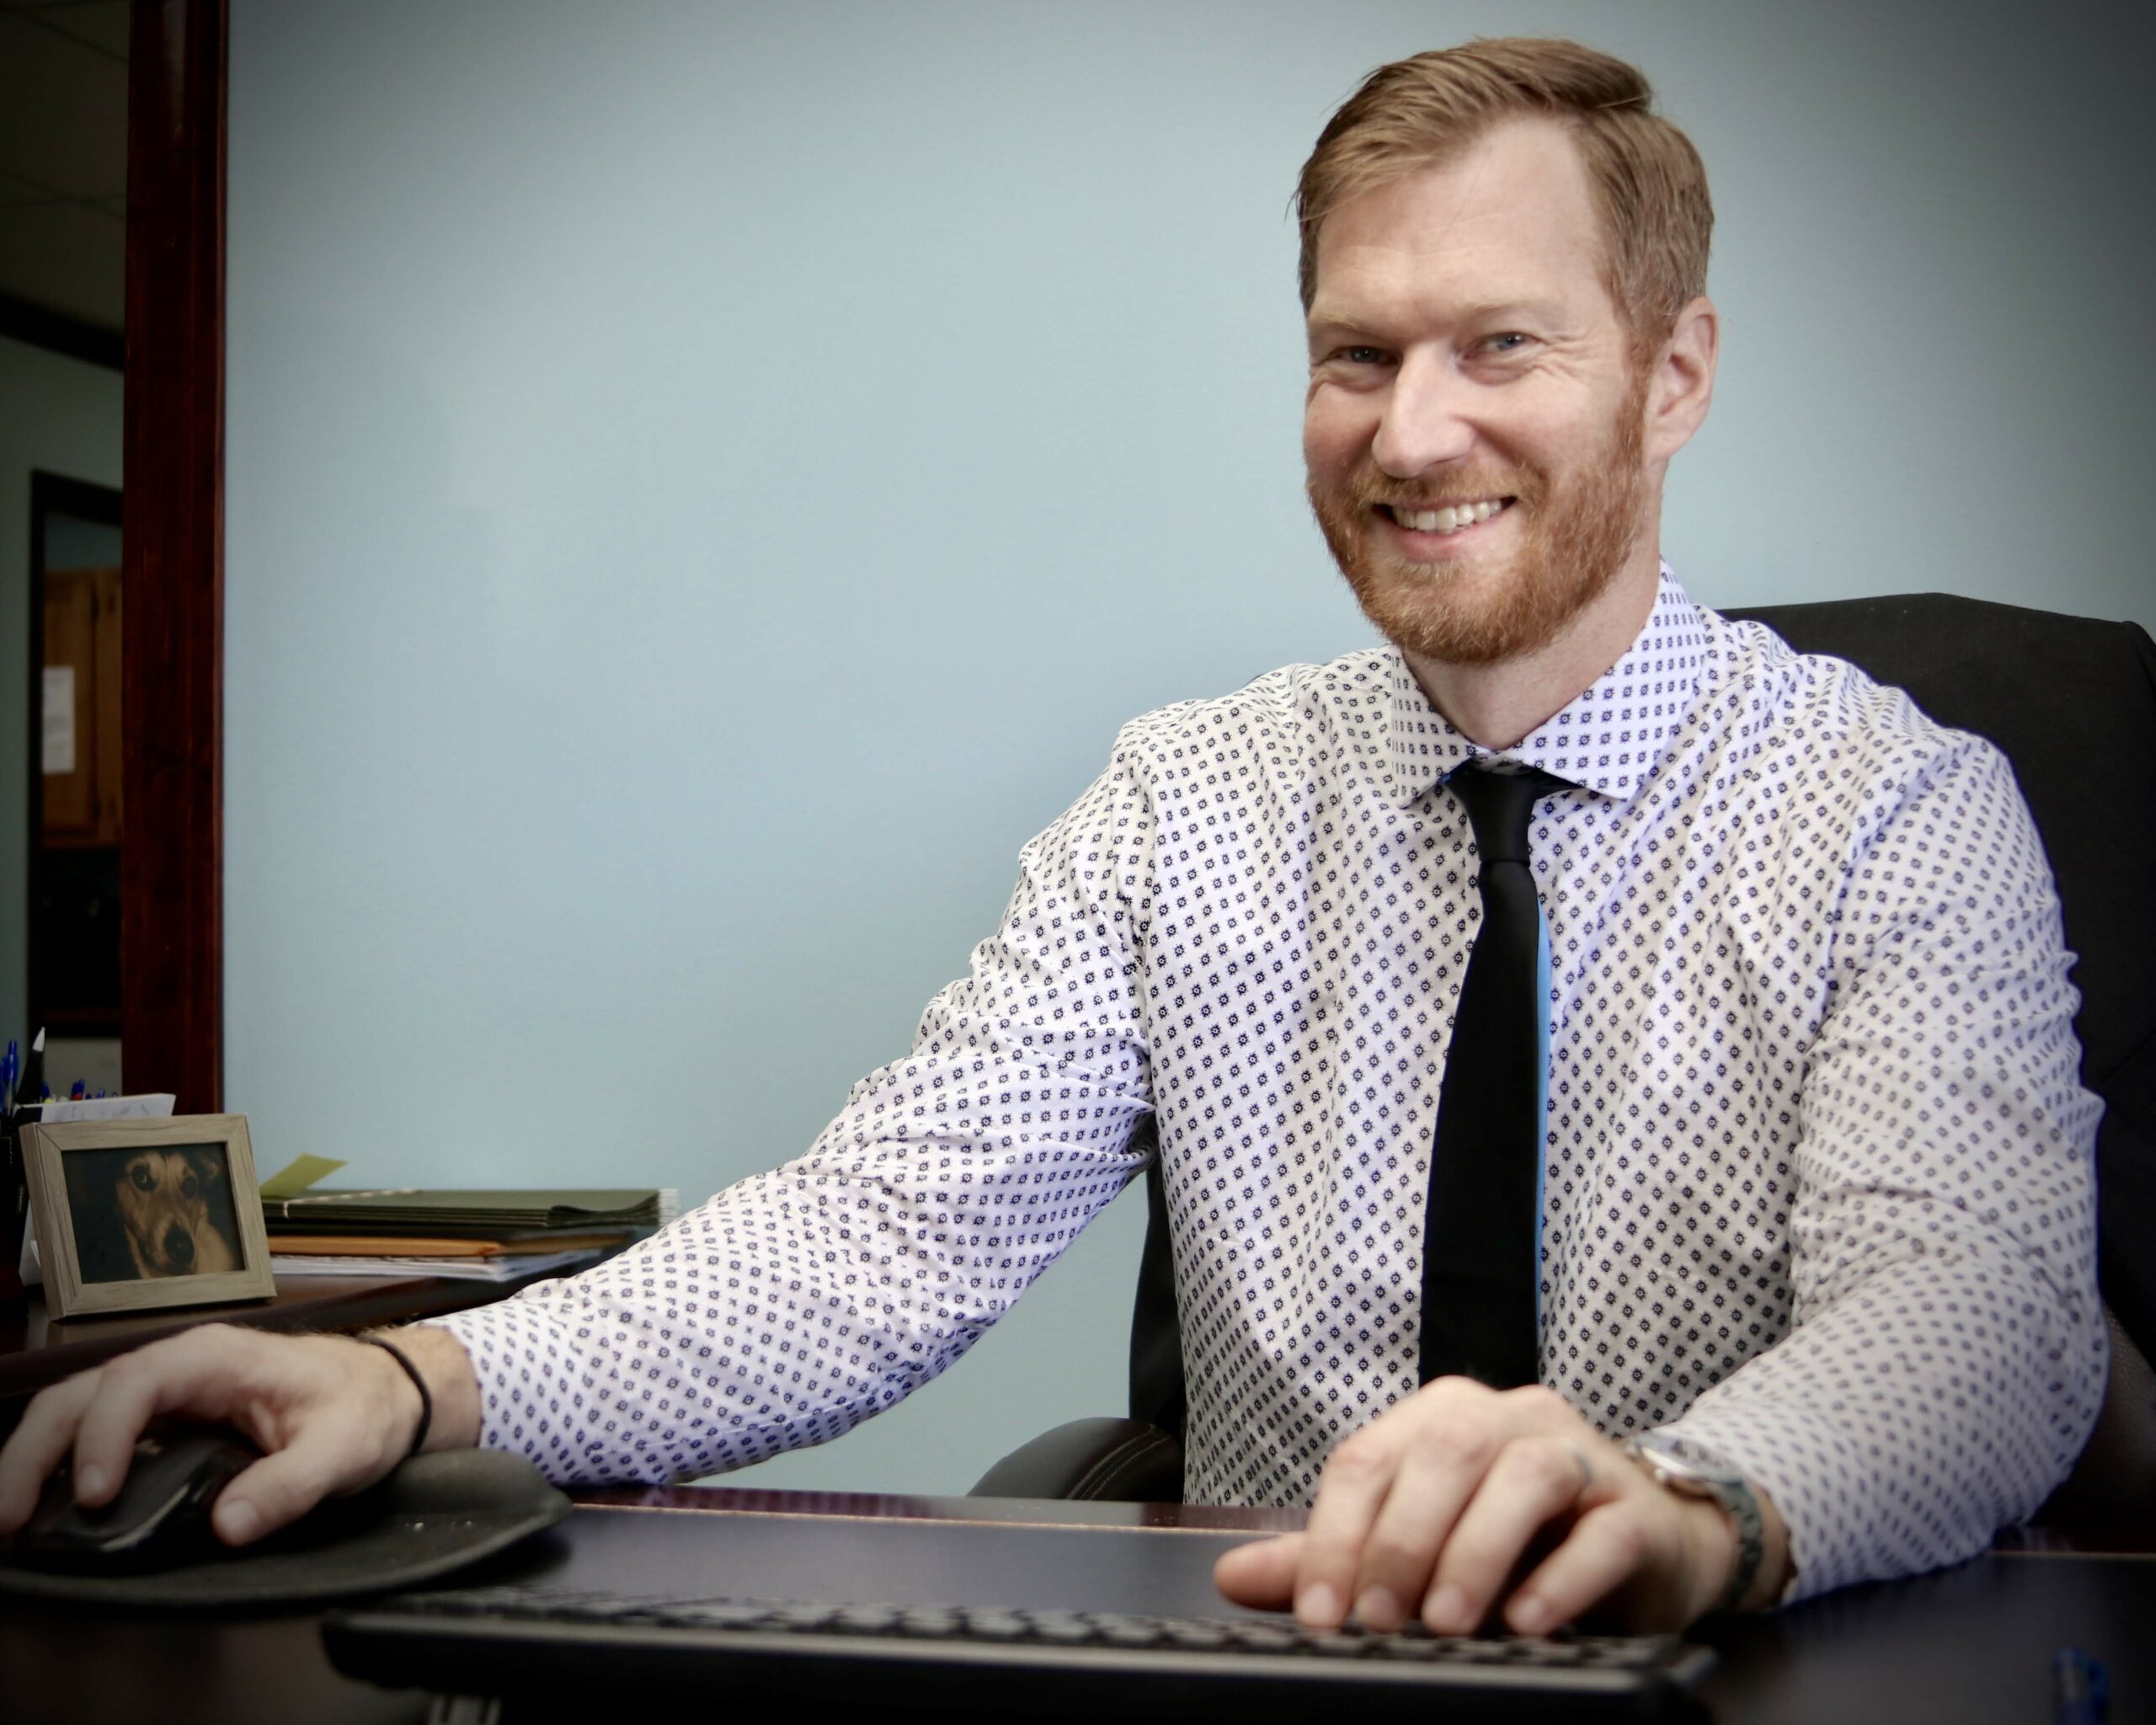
(1334, 1644)
(1415, 1647)
(720, 1613)
(997, 1625)
(808, 1619)
(1065, 1629)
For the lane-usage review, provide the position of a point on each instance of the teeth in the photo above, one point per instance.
(1446, 521)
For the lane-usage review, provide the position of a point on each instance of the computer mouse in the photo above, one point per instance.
(159, 1518)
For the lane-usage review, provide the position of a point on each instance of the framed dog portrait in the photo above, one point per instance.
(133, 1215)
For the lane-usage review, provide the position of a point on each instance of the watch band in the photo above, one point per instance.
(1697, 1476)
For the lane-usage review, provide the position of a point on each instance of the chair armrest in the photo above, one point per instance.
(1121, 1461)
(2114, 1483)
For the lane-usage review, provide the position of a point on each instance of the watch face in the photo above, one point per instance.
(1685, 1459)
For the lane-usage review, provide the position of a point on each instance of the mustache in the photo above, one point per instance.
(1369, 490)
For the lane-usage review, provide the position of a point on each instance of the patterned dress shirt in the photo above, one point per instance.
(1817, 1183)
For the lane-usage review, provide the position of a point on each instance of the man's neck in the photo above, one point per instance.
(1498, 704)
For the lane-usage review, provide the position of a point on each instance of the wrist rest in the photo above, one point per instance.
(433, 1516)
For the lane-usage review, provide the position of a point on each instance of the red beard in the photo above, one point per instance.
(1577, 529)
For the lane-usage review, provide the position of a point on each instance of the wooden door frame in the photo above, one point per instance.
(172, 554)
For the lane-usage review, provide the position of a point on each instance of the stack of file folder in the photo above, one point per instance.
(484, 1236)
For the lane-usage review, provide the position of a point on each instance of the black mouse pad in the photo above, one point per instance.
(431, 1517)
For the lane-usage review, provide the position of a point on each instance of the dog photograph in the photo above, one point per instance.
(133, 1213)
(152, 1212)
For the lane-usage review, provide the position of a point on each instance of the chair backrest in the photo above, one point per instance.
(2071, 701)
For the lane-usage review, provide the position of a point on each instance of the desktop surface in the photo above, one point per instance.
(1971, 1643)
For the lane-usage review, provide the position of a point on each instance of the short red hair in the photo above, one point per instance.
(1648, 181)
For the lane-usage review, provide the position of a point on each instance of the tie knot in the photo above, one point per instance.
(1500, 805)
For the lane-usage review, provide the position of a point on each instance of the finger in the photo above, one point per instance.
(1349, 1495)
(45, 1434)
(131, 1390)
(1533, 1483)
(1607, 1547)
(278, 1489)
(1433, 1486)
(1261, 1575)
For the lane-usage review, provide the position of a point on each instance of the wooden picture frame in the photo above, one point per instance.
(124, 1207)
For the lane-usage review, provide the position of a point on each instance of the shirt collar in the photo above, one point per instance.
(1609, 739)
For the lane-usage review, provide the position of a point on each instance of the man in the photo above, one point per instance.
(1810, 1188)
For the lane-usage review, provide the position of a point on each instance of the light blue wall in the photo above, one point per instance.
(60, 416)
(705, 483)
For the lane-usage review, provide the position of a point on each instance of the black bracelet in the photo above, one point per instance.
(418, 1383)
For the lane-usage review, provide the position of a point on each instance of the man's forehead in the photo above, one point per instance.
(1507, 220)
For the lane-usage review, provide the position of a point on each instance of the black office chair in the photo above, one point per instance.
(2072, 703)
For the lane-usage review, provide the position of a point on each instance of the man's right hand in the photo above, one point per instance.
(331, 1415)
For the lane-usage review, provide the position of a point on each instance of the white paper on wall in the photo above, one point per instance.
(59, 750)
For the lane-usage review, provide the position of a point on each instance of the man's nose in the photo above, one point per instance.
(1425, 423)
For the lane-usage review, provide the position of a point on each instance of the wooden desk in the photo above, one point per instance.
(37, 1349)
(1970, 1644)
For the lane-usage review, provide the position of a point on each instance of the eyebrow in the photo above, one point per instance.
(1322, 320)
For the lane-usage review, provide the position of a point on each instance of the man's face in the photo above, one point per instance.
(1467, 364)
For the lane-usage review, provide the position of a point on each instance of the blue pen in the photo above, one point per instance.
(2081, 1688)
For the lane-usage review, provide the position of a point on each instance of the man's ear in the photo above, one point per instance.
(1683, 385)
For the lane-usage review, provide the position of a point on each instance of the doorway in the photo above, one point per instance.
(76, 814)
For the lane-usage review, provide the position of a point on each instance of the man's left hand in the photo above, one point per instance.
(1431, 1509)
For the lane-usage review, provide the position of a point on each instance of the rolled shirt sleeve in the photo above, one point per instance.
(1948, 1354)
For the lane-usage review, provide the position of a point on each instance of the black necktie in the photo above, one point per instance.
(1480, 1241)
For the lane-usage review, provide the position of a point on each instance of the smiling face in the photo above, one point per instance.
(1475, 426)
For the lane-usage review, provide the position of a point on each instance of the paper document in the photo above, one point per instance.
(461, 1269)
(156, 1105)
(298, 1174)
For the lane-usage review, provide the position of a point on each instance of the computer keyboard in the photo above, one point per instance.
(515, 1643)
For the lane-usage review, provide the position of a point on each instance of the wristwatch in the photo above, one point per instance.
(1693, 1471)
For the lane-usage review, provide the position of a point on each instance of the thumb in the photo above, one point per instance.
(1260, 1574)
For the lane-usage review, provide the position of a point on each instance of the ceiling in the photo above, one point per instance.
(63, 157)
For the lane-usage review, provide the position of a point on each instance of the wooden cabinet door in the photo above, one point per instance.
(82, 641)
